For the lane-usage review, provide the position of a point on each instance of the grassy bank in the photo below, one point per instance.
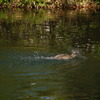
(50, 4)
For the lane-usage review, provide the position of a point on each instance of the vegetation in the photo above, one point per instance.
(50, 4)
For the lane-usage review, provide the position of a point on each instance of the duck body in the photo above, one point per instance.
(66, 56)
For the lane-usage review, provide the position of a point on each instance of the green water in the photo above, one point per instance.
(28, 41)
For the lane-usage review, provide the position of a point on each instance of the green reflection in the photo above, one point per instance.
(45, 29)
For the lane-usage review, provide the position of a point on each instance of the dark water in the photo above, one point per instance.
(28, 40)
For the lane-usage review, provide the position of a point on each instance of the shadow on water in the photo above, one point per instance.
(28, 43)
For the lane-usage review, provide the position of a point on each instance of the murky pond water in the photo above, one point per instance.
(29, 40)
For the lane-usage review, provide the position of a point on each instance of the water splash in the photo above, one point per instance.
(36, 57)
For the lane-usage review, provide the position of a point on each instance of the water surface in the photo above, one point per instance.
(28, 40)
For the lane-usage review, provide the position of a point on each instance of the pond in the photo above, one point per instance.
(29, 39)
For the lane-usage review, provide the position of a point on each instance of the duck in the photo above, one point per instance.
(66, 56)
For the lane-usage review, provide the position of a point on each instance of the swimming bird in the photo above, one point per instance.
(66, 56)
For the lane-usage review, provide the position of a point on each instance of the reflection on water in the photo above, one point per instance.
(28, 43)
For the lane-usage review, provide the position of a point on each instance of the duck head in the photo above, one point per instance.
(74, 53)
